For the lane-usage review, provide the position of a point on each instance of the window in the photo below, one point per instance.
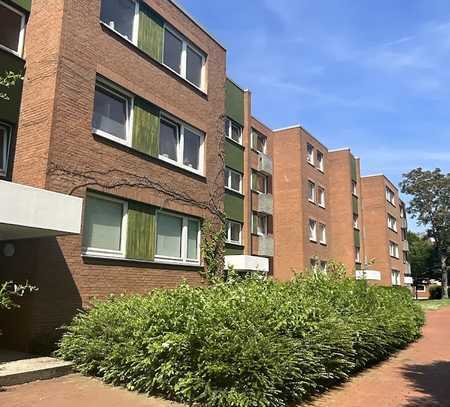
(404, 234)
(12, 29)
(392, 223)
(405, 256)
(393, 249)
(122, 16)
(310, 153)
(311, 192)
(183, 58)
(390, 196)
(234, 232)
(395, 277)
(233, 131)
(322, 233)
(4, 147)
(104, 226)
(355, 221)
(259, 224)
(319, 157)
(312, 230)
(259, 182)
(357, 255)
(259, 141)
(233, 180)
(111, 114)
(420, 288)
(177, 238)
(314, 262)
(354, 188)
(181, 144)
(321, 197)
(323, 265)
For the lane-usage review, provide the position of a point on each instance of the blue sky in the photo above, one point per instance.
(374, 76)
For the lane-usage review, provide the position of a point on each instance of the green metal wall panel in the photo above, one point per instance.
(231, 250)
(151, 32)
(146, 127)
(234, 102)
(354, 170)
(357, 235)
(234, 156)
(355, 204)
(25, 4)
(358, 266)
(234, 206)
(141, 235)
(9, 109)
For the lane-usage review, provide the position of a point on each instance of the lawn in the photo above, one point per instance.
(434, 304)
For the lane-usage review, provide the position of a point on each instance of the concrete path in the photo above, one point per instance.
(417, 377)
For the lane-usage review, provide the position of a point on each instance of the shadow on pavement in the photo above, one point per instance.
(432, 380)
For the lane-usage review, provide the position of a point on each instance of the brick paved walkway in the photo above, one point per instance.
(417, 377)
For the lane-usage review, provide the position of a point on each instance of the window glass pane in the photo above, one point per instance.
(226, 176)
(191, 149)
(172, 51)
(10, 28)
(168, 241)
(235, 232)
(110, 113)
(235, 133)
(194, 65)
(261, 183)
(168, 140)
(192, 245)
(119, 15)
(235, 181)
(103, 224)
(262, 225)
(260, 143)
(3, 148)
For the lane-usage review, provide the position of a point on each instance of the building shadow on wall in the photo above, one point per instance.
(36, 326)
(432, 380)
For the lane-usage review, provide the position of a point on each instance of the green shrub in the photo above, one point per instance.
(249, 343)
(435, 292)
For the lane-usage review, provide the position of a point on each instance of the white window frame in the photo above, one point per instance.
(310, 154)
(183, 68)
(180, 144)
(355, 221)
(228, 181)
(266, 183)
(397, 280)
(313, 185)
(322, 233)
(392, 222)
(19, 50)
(6, 144)
(129, 99)
(95, 252)
(257, 133)
(320, 163)
(264, 232)
(229, 240)
(321, 198)
(390, 196)
(312, 236)
(228, 130)
(135, 33)
(354, 188)
(184, 240)
(393, 249)
(357, 254)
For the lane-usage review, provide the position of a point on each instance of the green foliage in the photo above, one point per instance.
(250, 343)
(7, 80)
(422, 256)
(212, 249)
(435, 292)
(9, 289)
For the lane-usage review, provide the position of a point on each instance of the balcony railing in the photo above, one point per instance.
(404, 223)
(405, 245)
(265, 203)
(265, 164)
(265, 246)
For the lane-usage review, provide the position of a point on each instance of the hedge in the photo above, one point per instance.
(249, 343)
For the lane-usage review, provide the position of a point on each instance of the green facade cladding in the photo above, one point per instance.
(231, 250)
(151, 32)
(234, 102)
(234, 206)
(234, 156)
(354, 169)
(146, 127)
(141, 234)
(357, 235)
(355, 204)
(25, 4)
(9, 109)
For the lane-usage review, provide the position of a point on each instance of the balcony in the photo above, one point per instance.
(404, 223)
(264, 203)
(405, 245)
(247, 263)
(408, 269)
(265, 164)
(265, 246)
(368, 275)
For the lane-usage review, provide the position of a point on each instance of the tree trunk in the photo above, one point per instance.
(444, 276)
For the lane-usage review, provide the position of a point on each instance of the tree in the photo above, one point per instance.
(421, 256)
(7, 80)
(430, 205)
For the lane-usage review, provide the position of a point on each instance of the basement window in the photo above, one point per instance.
(395, 277)
(122, 16)
(12, 29)
(4, 147)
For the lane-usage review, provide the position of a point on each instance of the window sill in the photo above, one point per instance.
(322, 206)
(234, 244)
(311, 201)
(179, 165)
(311, 163)
(312, 240)
(160, 64)
(323, 243)
(12, 52)
(111, 137)
(235, 142)
(233, 191)
(392, 230)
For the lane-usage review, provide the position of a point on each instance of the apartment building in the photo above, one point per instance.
(385, 227)
(121, 105)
